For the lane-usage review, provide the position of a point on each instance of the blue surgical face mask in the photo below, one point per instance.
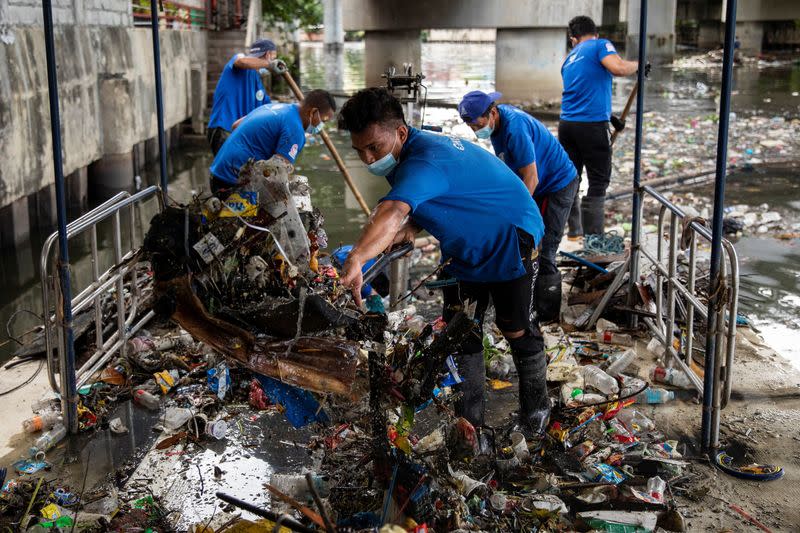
(314, 129)
(485, 132)
(385, 164)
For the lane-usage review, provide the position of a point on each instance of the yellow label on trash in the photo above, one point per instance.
(164, 380)
(497, 384)
(242, 203)
(51, 511)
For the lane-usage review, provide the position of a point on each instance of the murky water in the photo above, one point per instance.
(770, 274)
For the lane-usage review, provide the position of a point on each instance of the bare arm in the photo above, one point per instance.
(379, 233)
(236, 124)
(253, 63)
(618, 66)
(530, 176)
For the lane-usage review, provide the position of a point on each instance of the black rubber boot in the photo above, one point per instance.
(472, 370)
(574, 225)
(593, 214)
(531, 363)
(548, 297)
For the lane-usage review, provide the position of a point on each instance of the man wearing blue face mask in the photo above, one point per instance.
(239, 90)
(273, 129)
(488, 227)
(535, 155)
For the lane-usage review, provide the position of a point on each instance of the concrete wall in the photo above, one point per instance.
(90, 12)
(660, 30)
(375, 15)
(107, 98)
(764, 10)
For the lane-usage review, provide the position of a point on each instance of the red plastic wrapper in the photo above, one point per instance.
(257, 398)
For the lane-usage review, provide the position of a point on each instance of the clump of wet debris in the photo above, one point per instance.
(250, 319)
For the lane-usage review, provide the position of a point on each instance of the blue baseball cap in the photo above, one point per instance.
(261, 47)
(474, 104)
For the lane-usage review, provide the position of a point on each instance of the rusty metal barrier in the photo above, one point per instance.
(665, 267)
(111, 282)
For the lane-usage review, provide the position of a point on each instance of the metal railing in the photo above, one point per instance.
(684, 294)
(112, 281)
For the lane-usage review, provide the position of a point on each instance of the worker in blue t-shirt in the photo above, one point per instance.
(488, 227)
(273, 129)
(583, 130)
(529, 149)
(239, 90)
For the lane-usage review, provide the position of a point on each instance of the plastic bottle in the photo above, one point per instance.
(45, 420)
(613, 337)
(671, 376)
(146, 400)
(597, 379)
(621, 362)
(49, 439)
(635, 421)
(656, 487)
(630, 385)
(655, 395)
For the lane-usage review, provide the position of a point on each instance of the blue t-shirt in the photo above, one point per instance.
(521, 140)
(239, 91)
(587, 83)
(469, 200)
(267, 130)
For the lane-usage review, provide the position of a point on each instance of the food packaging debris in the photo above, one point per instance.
(240, 203)
(497, 384)
(465, 484)
(520, 446)
(549, 503)
(601, 472)
(620, 521)
(209, 248)
(431, 442)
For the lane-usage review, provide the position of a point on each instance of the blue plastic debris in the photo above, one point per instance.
(301, 408)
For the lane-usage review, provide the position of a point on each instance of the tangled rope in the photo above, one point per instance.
(605, 244)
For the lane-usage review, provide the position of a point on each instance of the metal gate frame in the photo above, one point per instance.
(113, 279)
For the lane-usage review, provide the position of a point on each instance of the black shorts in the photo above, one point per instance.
(513, 299)
(216, 138)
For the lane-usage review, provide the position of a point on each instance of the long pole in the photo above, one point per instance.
(162, 142)
(69, 393)
(624, 115)
(715, 299)
(636, 219)
(327, 140)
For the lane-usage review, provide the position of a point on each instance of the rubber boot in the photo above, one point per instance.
(548, 297)
(534, 403)
(472, 370)
(574, 225)
(593, 214)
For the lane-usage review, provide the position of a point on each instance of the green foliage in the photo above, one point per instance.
(292, 14)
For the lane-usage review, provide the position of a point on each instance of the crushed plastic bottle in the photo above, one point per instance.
(620, 362)
(655, 395)
(146, 400)
(670, 376)
(612, 337)
(48, 440)
(597, 379)
(45, 420)
(630, 385)
(635, 421)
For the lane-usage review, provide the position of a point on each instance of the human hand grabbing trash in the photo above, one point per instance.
(353, 278)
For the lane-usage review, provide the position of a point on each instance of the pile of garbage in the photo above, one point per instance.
(713, 60)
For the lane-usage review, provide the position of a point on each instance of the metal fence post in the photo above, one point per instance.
(69, 393)
(162, 143)
(715, 300)
(636, 219)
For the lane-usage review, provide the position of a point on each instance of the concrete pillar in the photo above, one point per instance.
(151, 150)
(111, 174)
(611, 12)
(199, 90)
(750, 35)
(15, 224)
(660, 30)
(334, 45)
(42, 208)
(527, 63)
(390, 48)
(78, 191)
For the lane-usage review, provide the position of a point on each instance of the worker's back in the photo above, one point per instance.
(469, 200)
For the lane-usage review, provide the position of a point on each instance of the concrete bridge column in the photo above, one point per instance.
(660, 30)
(528, 63)
(750, 34)
(390, 48)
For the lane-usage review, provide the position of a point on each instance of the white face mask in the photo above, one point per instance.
(385, 164)
(312, 128)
